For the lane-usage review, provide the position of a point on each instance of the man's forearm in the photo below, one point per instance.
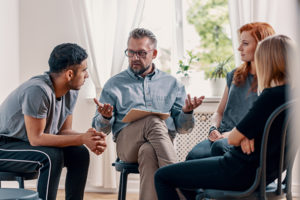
(69, 132)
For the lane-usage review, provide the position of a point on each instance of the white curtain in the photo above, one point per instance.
(103, 28)
(245, 11)
(177, 39)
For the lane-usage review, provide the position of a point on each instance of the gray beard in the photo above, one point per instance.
(140, 72)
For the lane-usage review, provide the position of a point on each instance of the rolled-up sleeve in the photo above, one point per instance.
(184, 122)
(99, 122)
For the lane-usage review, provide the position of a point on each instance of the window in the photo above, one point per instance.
(206, 32)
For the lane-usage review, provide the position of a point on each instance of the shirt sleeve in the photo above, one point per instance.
(253, 123)
(99, 122)
(35, 102)
(184, 123)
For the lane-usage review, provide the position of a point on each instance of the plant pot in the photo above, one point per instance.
(217, 86)
(185, 80)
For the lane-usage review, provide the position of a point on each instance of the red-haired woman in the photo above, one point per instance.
(239, 95)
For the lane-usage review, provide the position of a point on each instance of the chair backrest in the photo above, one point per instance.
(260, 179)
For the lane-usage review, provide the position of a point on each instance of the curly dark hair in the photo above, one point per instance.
(66, 55)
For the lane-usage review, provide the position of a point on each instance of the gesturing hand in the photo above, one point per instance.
(105, 110)
(191, 104)
(247, 146)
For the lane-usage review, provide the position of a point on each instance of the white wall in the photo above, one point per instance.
(9, 46)
(43, 25)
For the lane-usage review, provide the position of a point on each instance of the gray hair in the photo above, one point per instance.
(139, 33)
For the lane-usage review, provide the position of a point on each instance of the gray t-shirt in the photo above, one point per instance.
(35, 98)
(240, 100)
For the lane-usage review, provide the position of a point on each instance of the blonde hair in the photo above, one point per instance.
(271, 60)
(258, 30)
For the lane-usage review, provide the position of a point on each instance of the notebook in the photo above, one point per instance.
(136, 114)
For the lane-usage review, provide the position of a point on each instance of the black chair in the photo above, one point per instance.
(258, 190)
(17, 176)
(125, 169)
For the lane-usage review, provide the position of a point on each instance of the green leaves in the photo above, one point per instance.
(184, 67)
(220, 70)
(211, 21)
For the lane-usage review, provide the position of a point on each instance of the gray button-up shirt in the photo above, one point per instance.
(158, 92)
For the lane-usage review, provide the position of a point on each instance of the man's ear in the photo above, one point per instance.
(69, 74)
(154, 54)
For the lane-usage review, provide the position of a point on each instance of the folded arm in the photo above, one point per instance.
(236, 138)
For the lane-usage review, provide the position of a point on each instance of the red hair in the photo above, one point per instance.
(258, 30)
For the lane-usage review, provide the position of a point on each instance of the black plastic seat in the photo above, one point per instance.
(124, 168)
(18, 176)
(258, 190)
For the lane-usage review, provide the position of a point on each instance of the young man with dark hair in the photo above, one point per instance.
(148, 141)
(36, 126)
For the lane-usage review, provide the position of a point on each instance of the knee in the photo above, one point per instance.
(191, 155)
(155, 120)
(82, 154)
(201, 150)
(146, 152)
(219, 147)
(52, 156)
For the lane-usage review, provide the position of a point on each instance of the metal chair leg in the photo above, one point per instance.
(123, 185)
(20, 181)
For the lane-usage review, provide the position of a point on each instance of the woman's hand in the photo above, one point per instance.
(247, 146)
(215, 135)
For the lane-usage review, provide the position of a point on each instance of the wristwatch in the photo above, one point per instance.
(212, 128)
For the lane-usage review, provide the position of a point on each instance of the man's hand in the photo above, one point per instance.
(215, 135)
(191, 104)
(95, 141)
(105, 110)
(247, 146)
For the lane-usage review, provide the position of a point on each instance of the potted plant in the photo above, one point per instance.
(185, 66)
(217, 74)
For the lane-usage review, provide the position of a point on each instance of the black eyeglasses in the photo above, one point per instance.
(141, 54)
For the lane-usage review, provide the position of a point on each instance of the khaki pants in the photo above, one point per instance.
(147, 142)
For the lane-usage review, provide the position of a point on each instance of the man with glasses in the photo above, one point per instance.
(148, 141)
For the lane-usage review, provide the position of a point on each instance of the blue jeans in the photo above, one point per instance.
(207, 148)
(221, 172)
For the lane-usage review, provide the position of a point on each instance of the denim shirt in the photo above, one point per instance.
(158, 91)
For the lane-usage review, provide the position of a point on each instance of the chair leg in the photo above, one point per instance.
(123, 185)
(20, 181)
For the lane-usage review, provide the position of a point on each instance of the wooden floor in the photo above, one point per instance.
(102, 196)
(98, 196)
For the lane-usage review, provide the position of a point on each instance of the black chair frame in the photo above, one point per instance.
(17, 176)
(124, 168)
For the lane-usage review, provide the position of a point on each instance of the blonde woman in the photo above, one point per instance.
(236, 169)
(239, 95)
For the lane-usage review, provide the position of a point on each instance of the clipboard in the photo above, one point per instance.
(135, 114)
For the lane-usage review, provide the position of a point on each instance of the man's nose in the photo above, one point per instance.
(135, 56)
